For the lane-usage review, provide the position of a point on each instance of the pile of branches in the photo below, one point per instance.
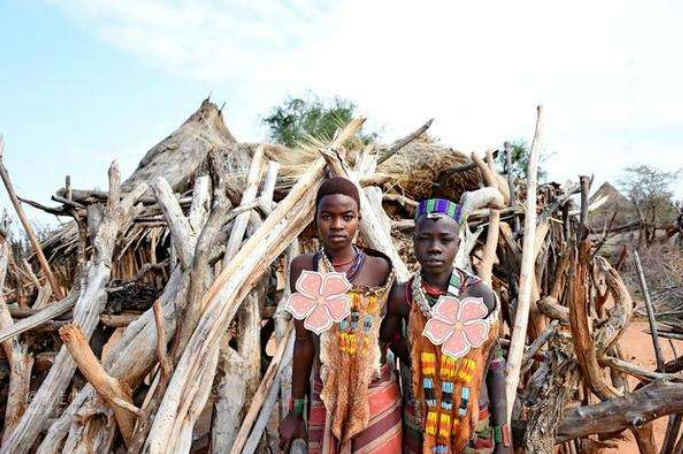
(662, 265)
(168, 335)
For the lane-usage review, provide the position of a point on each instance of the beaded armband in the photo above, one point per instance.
(297, 406)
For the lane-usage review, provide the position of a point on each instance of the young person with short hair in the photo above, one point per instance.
(455, 401)
(340, 301)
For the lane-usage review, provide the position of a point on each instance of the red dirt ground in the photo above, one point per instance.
(637, 348)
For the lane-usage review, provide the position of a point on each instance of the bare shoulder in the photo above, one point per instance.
(378, 269)
(483, 291)
(303, 262)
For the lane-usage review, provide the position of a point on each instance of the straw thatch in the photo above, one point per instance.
(177, 158)
(426, 168)
(421, 169)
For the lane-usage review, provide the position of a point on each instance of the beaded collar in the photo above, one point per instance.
(423, 300)
(353, 270)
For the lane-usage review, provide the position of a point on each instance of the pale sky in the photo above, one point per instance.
(86, 81)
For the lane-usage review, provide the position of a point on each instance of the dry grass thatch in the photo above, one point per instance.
(426, 168)
(423, 168)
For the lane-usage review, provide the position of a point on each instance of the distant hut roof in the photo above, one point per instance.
(616, 203)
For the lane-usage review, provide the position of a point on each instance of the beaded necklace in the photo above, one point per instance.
(353, 333)
(424, 301)
(356, 265)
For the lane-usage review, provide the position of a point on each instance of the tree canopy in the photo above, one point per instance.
(650, 189)
(299, 118)
(520, 160)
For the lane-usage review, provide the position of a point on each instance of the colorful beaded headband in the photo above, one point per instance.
(441, 206)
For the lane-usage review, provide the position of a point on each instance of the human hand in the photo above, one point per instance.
(292, 427)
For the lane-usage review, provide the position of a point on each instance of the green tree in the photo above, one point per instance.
(650, 188)
(297, 119)
(520, 160)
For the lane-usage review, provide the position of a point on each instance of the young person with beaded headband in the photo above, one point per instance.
(455, 365)
(338, 301)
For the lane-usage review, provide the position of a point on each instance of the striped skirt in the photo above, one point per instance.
(384, 432)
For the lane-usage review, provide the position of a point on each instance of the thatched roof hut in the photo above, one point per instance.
(423, 168)
(178, 158)
(616, 203)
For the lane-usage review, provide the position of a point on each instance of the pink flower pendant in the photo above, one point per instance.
(458, 326)
(320, 299)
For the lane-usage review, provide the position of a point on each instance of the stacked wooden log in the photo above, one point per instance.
(154, 322)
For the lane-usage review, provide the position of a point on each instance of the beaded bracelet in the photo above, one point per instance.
(501, 434)
(296, 406)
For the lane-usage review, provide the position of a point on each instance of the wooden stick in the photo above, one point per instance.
(511, 182)
(30, 273)
(668, 444)
(672, 429)
(267, 407)
(660, 398)
(679, 446)
(269, 181)
(116, 394)
(404, 141)
(180, 227)
(584, 346)
(55, 211)
(537, 345)
(239, 226)
(552, 309)
(249, 341)
(119, 320)
(227, 412)
(51, 312)
(162, 354)
(4, 174)
(282, 318)
(516, 352)
(20, 361)
(261, 394)
(638, 372)
(490, 176)
(650, 312)
(488, 256)
(585, 189)
(43, 298)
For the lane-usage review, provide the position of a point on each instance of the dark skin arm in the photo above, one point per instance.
(390, 332)
(496, 385)
(495, 380)
(293, 426)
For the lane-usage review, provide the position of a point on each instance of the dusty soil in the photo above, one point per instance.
(638, 349)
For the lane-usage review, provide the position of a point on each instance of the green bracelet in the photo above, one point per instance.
(298, 407)
(501, 434)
